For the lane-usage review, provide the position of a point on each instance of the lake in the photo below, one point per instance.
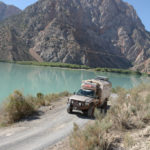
(34, 79)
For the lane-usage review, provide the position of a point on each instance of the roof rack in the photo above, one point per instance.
(102, 78)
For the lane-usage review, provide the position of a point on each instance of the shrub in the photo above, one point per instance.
(40, 95)
(54, 97)
(117, 89)
(17, 107)
(123, 71)
(128, 141)
(93, 137)
(52, 64)
(131, 110)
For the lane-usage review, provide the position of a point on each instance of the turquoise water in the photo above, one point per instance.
(34, 79)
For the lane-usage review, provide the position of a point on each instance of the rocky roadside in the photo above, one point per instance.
(136, 139)
(61, 145)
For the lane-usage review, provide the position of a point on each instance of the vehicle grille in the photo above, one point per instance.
(77, 103)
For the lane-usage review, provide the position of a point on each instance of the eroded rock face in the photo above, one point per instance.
(98, 33)
(7, 11)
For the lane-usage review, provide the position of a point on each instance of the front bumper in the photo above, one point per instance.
(78, 105)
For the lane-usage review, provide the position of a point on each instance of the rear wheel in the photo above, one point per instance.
(69, 108)
(91, 109)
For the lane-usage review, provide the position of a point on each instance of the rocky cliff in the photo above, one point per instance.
(98, 33)
(7, 11)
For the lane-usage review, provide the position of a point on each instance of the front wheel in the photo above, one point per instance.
(85, 112)
(104, 107)
(69, 108)
(91, 111)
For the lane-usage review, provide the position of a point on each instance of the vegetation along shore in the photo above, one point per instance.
(75, 66)
(127, 115)
(17, 106)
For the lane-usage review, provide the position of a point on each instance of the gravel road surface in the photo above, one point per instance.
(41, 131)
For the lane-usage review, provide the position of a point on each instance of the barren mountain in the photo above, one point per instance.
(7, 11)
(98, 33)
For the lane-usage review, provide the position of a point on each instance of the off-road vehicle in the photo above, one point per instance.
(93, 93)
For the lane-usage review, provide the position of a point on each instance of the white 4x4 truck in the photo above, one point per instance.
(93, 93)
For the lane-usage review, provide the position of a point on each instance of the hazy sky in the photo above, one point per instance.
(19, 3)
(142, 8)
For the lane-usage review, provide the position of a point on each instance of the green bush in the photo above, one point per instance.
(17, 107)
(40, 95)
(52, 64)
(122, 71)
(117, 89)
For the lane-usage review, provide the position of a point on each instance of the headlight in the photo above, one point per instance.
(80, 104)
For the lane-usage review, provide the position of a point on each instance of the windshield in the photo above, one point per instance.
(88, 93)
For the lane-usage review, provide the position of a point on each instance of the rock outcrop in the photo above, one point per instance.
(7, 11)
(97, 33)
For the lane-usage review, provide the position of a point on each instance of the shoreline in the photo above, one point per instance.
(78, 67)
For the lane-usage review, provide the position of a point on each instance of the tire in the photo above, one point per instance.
(104, 107)
(103, 111)
(85, 112)
(69, 109)
(90, 112)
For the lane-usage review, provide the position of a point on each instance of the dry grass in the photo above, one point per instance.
(15, 108)
(18, 106)
(93, 137)
(128, 141)
(131, 110)
(45, 100)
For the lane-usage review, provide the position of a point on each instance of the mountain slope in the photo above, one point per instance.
(98, 33)
(7, 11)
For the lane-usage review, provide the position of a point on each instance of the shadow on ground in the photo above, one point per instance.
(35, 116)
(83, 116)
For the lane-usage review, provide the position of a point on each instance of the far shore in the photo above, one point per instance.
(75, 66)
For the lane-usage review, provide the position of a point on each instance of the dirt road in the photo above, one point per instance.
(41, 131)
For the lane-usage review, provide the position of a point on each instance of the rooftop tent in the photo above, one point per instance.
(88, 85)
(101, 78)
